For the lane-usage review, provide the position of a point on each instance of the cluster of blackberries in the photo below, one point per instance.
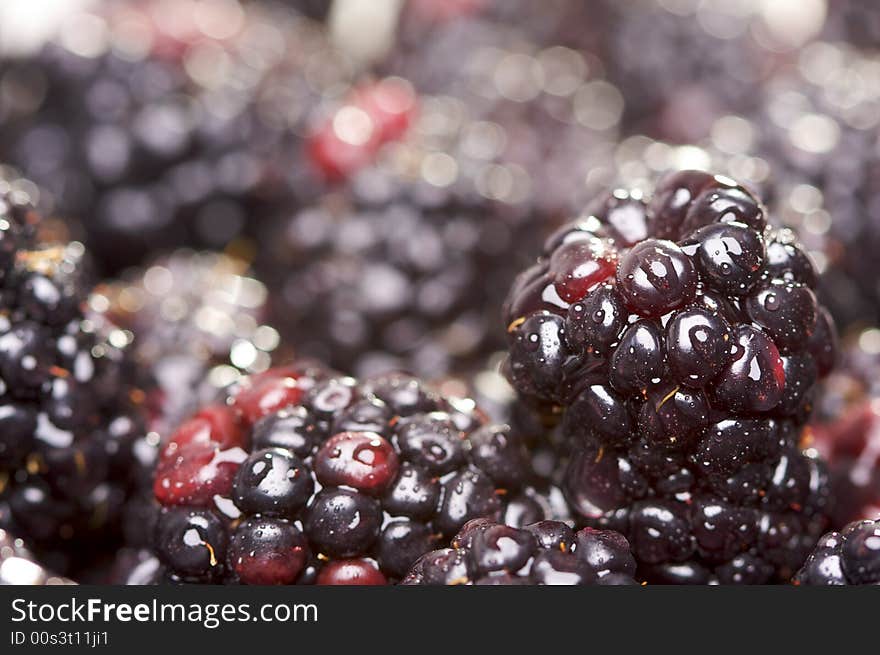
(681, 340)
(665, 352)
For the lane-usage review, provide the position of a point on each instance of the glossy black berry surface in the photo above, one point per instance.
(683, 366)
(848, 557)
(306, 475)
(545, 553)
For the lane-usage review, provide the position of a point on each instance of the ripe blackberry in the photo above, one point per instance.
(848, 557)
(681, 340)
(154, 136)
(545, 553)
(306, 475)
(73, 444)
(537, 115)
(433, 27)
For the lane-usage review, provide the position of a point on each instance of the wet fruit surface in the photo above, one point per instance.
(544, 553)
(683, 382)
(307, 475)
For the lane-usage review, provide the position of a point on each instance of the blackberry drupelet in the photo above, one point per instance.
(848, 557)
(72, 445)
(545, 553)
(308, 476)
(679, 340)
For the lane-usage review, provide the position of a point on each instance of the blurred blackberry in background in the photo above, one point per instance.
(853, 21)
(705, 58)
(199, 321)
(681, 341)
(846, 430)
(198, 318)
(849, 557)
(543, 553)
(434, 37)
(73, 444)
(151, 125)
(538, 105)
(818, 127)
(307, 476)
(410, 256)
(389, 273)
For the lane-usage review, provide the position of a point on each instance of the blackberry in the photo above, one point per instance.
(545, 553)
(682, 361)
(308, 476)
(198, 320)
(146, 145)
(848, 557)
(389, 273)
(431, 27)
(538, 107)
(73, 443)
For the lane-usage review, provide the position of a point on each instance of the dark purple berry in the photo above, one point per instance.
(267, 551)
(192, 543)
(538, 355)
(595, 322)
(672, 198)
(343, 523)
(274, 482)
(600, 412)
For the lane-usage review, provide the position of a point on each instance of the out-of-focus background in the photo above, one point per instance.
(360, 180)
